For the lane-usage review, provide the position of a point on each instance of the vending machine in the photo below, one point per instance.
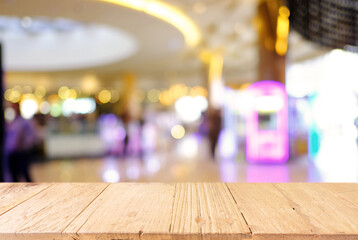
(267, 123)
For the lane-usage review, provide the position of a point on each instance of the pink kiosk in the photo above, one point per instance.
(267, 123)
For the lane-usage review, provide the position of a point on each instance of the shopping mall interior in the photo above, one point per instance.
(179, 90)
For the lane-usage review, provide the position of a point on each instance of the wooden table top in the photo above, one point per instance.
(123, 211)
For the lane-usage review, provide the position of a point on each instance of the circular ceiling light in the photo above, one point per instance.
(42, 44)
(167, 13)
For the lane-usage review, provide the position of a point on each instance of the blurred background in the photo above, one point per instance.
(179, 90)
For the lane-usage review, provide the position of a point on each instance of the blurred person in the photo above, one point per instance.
(133, 138)
(203, 129)
(126, 121)
(20, 143)
(112, 133)
(134, 147)
(39, 123)
(214, 128)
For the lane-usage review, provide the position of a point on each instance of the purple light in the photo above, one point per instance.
(267, 123)
(267, 173)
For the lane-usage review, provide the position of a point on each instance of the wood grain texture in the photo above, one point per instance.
(205, 211)
(12, 194)
(268, 213)
(127, 211)
(347, 191)
(186, 219)
(222, 219)
(327, 213)
(47, 214)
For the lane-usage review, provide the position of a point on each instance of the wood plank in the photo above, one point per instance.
(46, 215)
(12, 194)
(268, 213)
(127, 211)
(206, 211)
(347, 191)
(330, 216)
(339, 187)
(220, 215)
(186, 221)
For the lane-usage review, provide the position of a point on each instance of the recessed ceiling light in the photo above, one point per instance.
(199, 7)
(239, 27)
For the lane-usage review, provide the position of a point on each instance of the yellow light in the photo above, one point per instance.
(215, 68)
(53, 98)
(62, 92)
(12, 95)
(205, 56)
(166, 13)
(198, 91)
(284, 11)
(89, 84)
(7, 95)
(28, 96)
(153, 95)
(281, 47)
(177, 131)
(71, 93)
(245, 86)
(165, 98)
(104, 96)
(283, 25)
(178, 90)
(18, 88)
(215, 80)
(66, 93)
(40, 92)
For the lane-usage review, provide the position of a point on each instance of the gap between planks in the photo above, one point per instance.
(85, 209)
(27, 199)
(242, 214)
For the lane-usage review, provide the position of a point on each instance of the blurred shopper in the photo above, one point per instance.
(20, 143)
(133, 138)
(126, 121)
(39, 123)
(214, 127)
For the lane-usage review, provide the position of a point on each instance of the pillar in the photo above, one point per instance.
(273, 27)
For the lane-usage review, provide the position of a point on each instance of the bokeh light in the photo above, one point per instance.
(28, 108)
(111, 175)
(178, 131)
(40, 92)
(104, 96)
(153, 95)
